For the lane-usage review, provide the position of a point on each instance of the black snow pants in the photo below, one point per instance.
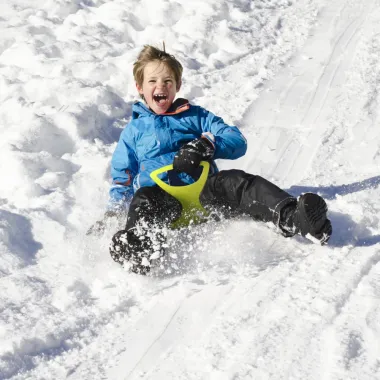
(231, 192)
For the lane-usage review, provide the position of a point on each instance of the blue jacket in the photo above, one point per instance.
(151, 141)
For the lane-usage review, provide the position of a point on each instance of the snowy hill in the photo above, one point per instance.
(235, 300)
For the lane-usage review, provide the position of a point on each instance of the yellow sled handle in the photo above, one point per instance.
(188, 195)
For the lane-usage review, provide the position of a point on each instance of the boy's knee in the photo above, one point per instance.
(154, 205)
(147, 200)
(146, 194)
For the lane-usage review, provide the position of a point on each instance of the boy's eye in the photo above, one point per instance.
(152, 81)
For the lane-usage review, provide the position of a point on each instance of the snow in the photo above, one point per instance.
(234, 300)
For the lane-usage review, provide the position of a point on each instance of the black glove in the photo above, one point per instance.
(191, 154)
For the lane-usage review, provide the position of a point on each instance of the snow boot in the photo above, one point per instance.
(307, 217)
(136, 250)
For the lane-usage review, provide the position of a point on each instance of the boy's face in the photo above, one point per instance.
(159, 87)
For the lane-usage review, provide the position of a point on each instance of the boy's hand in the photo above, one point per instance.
(100, 226)
(191, 154)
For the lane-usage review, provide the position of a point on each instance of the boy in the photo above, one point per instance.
(166, 131)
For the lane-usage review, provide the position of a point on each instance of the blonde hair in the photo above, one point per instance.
(150, 53)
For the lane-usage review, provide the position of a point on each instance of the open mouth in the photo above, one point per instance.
(160, 98)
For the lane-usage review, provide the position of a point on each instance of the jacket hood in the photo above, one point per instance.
(179, 105)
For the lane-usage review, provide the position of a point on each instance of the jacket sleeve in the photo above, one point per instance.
(228, 140)
(123, 169)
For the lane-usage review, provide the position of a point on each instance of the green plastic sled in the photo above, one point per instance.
(188, 195)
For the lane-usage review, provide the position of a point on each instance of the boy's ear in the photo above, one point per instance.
(139, 89)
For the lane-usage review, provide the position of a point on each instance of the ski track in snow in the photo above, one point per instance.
(234, 300)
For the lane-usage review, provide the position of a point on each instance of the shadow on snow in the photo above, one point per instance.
(16, 233)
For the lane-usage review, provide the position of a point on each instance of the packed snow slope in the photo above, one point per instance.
(234, 300)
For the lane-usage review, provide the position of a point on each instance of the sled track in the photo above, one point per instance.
(292, 114)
